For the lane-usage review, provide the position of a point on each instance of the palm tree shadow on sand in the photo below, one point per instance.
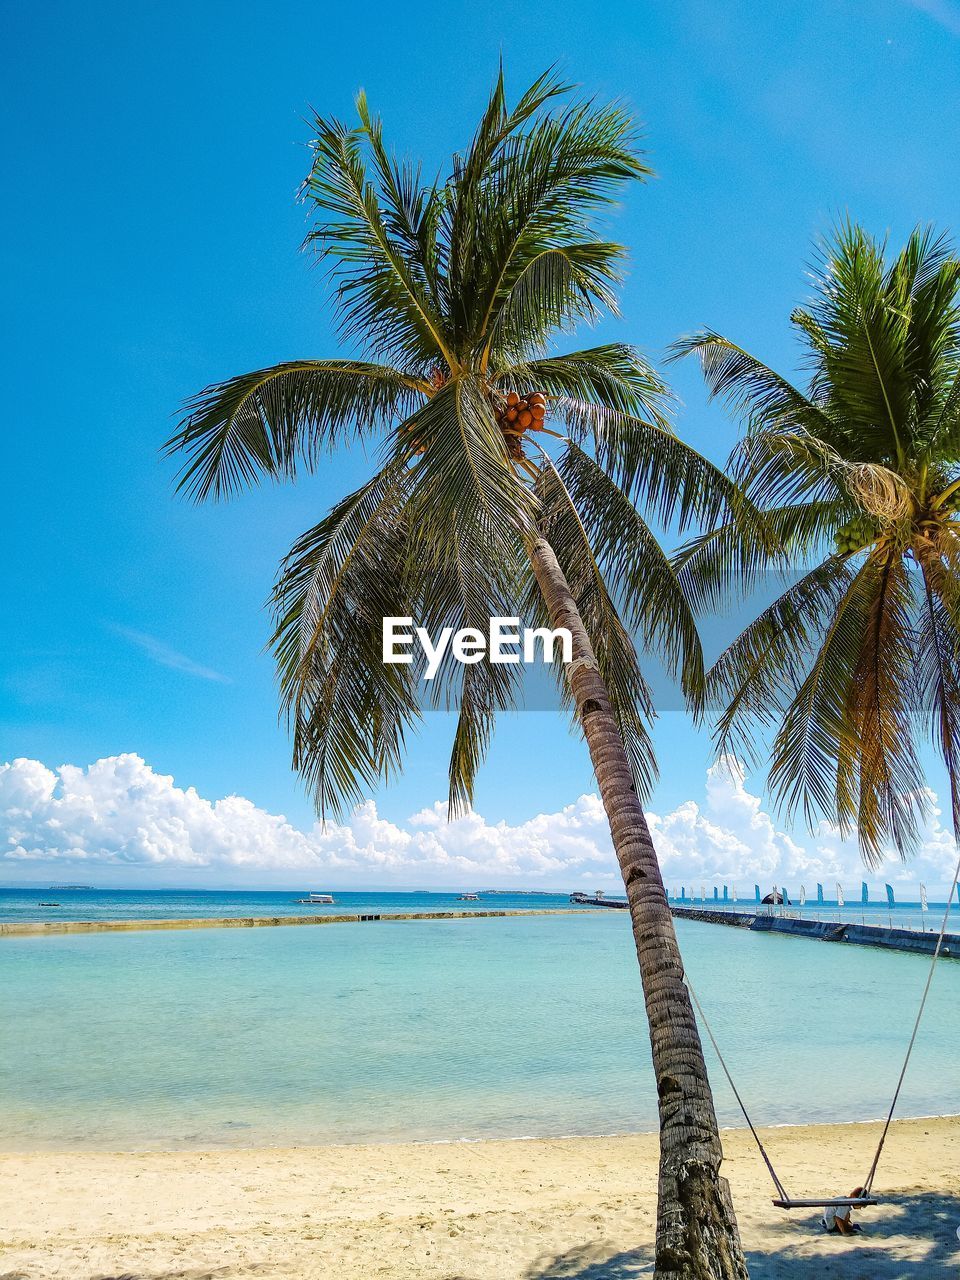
(913, 1237)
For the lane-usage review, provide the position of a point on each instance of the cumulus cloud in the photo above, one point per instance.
(120, 813)
(731, 839)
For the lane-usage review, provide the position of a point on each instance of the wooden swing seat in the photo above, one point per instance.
(838, 1202)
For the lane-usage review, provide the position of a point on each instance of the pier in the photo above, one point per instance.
(867, 935)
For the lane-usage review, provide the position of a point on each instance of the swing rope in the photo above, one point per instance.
(784, 1201)
(916, 1027)
(781, 1191)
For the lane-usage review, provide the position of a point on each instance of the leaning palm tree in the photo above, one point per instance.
(453, 291)
(858, 480)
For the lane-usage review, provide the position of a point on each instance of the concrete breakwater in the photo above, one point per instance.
(868, 935)
(27, 928)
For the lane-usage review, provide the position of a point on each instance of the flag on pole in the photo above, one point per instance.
(864, 893)
(683, 893)
(716, 894)
(839, 894)
(819, 895)
(703, 893)
(784, 895)
(756, 892)
(889, 889)
(725, 896)
(803, 896)
(923, 896)
(733, 890)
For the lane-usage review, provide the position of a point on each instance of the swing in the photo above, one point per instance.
(783, 1200)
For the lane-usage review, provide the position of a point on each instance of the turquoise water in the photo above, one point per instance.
(439, 1030)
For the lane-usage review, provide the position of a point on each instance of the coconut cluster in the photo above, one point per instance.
(518, 414)
(515, 414)
(855, 535)
(522, 413)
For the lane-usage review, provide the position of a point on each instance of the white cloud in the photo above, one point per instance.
(731, 839)
(119, 813)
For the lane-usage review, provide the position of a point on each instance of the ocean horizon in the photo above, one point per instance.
(66, 901)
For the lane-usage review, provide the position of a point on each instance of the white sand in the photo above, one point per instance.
(579, 1208)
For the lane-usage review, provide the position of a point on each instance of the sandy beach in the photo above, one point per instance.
(578, 1208)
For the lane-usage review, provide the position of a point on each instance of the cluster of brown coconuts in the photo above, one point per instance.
(518, 414)
(515, 415)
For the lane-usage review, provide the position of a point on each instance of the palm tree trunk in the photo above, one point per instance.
(697, 1235)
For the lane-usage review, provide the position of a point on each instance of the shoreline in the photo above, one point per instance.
(361, 1144)
(519, 1209)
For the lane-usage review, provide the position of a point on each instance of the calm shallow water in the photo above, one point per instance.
(439, 1030)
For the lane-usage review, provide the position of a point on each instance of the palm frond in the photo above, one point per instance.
(349, 711)
(410, 209)
(840, 752)
(938, 644)
(719, 567)
(750, 388)
(273, 420)
(534, 207)
(556, 287)
(647, 591)
(613, 376)
(468, 515)
(384, 294)
(465, 493)
(751, 682)
(891, 799)
(614, 649)
(464, 587)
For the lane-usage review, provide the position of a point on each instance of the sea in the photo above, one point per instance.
(434, 1030)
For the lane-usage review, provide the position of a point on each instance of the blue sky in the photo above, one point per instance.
(150, 244)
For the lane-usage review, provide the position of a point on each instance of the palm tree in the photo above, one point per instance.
(858, 479)
(453, 292)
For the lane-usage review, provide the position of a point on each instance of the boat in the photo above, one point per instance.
(469, 897)
(319, 899)
(48, 904)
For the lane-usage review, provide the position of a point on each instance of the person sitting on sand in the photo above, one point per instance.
(836, 1218)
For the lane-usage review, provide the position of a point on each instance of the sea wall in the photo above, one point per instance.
(26, 928)
(868, 935)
